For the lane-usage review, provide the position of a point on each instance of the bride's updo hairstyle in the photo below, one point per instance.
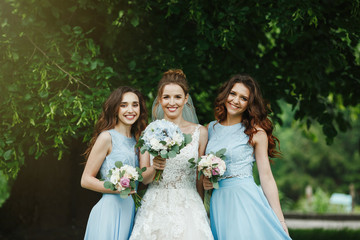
(172, 76)
(256, 114)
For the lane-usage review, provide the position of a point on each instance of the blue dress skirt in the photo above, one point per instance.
(112, 218)
(239, 210)
(111, 213)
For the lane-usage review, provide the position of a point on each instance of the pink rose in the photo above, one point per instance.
(215, 171)
(125, 182)
(216, 160)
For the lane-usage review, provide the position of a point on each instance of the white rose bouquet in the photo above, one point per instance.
(211, 165)
(162, 138)
(123, 178)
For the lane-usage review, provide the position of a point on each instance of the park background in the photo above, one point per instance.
(61, 59)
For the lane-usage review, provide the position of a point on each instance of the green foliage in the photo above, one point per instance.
(319, 203)
(4, 189)
(53, 83)
(61, 59)
(308, 160)
(324, 234)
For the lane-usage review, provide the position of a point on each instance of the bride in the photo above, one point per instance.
(172, 208)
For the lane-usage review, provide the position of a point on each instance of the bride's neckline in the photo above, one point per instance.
(193, 131)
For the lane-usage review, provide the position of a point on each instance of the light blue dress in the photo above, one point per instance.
(112, 217)
(239, 209)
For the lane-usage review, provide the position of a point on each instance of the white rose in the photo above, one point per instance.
(130, 172)
(155, 144)
(222, 167)
(115, 176)
(205, 162)
(171, 143)
(207, 172)
(178, 138)
(119, 187)
(210, 157)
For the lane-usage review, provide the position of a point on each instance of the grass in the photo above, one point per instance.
(324, 234)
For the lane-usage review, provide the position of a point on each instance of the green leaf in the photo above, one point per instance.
(172, 154)
(164, 155)
(66, 29)
(220, 152)
(132, 65)
(7, 154)
(77, 30)
(216, 185)
(187, 138)
(118, 164)
(72, 9)
(135, 21)
(108, 185)
(143, 149)
(175, 148)
(125, 193)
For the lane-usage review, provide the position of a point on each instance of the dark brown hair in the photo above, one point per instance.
(109, 115)
(172, 76)
(256, 114)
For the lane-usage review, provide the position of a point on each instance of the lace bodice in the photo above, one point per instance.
(172, 208)
(239, 154)
(123, 149)
(177, 173)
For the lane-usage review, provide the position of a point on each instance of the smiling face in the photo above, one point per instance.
(172, 100)
(129, 110)
(237, 100)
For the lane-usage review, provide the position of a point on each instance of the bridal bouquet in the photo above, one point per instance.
(163, 138)
(123, 178)
(211, 165)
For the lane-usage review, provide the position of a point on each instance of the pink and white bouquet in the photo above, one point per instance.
(211, 165)
(123, 178)
(162, 138)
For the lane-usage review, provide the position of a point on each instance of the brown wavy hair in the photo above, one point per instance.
(172, 76)
(109, 115)
(256, 114)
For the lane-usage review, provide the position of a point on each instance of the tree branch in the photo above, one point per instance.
(57, 65)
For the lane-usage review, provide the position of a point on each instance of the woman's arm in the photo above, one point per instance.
(158, 164)
(267, 180)
(207, 185)
(202, 146)
(100, 150)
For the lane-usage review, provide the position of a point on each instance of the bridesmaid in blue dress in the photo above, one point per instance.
(123, 118)
(239, 209)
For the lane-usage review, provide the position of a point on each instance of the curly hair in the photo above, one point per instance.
(256, 114)
(109, 115)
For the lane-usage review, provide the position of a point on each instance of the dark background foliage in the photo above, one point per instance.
(61, 59)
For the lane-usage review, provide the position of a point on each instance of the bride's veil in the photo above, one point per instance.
(188, 113)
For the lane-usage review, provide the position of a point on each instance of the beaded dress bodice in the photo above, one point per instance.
(123, 149)
(239, 155)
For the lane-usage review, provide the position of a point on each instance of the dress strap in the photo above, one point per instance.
(196, 133)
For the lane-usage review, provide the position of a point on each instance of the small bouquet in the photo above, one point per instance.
(211, 165)
(123, 178)
(162, 138)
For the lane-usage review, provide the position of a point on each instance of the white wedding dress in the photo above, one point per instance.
(172, 208)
